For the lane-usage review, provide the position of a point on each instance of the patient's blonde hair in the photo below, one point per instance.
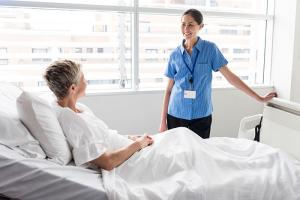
(60, 75)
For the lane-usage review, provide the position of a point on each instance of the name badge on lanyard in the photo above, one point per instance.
(190, 94)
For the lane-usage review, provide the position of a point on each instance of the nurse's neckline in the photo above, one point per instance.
(190, 49)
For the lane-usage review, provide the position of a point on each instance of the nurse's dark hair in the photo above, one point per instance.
(195, 14)
(60, 75)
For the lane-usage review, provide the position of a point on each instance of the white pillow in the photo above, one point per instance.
(40, 119)
(12, 132)
(8, 96)
(16, 136)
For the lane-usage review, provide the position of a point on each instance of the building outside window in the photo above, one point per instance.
(3, 50)
(3, 61)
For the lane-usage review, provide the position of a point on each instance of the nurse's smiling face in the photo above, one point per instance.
(189, 27)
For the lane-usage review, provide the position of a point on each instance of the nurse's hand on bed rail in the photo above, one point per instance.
(267, 97)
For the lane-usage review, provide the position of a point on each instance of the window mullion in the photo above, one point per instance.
(135, 44)
(268, 44)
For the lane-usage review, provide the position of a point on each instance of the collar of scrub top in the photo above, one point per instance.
(197, 46)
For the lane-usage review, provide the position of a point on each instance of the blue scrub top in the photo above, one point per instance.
(209, 59)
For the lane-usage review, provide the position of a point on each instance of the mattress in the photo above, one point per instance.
(28, 178)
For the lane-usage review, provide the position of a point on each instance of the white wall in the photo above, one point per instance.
(286, 49)
(139, 112)
(230, 106)
(295, 96)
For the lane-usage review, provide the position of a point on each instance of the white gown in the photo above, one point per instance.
(88, 136)
(181, 165)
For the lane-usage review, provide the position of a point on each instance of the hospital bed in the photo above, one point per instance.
(30, 178)
(27, 178)
(280, 126)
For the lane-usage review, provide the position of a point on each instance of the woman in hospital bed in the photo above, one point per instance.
(175, 165)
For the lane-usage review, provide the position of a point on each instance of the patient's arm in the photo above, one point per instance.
(111, 159)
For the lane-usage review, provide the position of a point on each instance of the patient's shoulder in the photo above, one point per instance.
(61, 110)
(67, 112)
(82, 107)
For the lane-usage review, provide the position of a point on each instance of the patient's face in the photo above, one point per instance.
(81, 87)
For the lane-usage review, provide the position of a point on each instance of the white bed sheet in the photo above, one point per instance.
(181, 165)
(26, 178)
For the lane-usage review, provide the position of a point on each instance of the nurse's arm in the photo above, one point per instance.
(238, 83)
(163, 122)
(111, 159)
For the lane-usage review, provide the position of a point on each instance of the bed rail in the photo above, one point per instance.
(285, 105)
(281, 126)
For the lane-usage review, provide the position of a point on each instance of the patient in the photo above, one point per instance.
(178, 165)
(90, 139)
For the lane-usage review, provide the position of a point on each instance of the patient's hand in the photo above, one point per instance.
(134, 137)
(144, 141)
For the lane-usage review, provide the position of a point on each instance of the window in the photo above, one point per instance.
(41, 60)
(39, 50)
(66, 35)
(100, 50)
(126, 44)
(3, 56)
(239, 50)
(3, 61)
(228, 32)
(153, 53)
(244, 52)
(77, 50)
(3, 50)
(89, 50)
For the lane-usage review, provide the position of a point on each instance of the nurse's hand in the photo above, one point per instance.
(268, 97)
(163, 127)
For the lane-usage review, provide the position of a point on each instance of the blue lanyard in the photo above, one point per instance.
(191, 79)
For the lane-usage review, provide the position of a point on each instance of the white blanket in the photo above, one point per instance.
(180, 165)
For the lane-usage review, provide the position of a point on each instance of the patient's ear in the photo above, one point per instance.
(72, 89)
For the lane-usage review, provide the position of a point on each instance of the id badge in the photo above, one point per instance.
(189, 94)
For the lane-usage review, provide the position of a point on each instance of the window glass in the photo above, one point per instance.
(33, 38)
(242, 42)
(158, 37)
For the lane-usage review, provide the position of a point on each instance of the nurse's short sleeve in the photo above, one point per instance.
(170, 70)
(86, 144)
(217, 60)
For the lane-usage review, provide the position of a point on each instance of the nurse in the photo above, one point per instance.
(187, 100)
